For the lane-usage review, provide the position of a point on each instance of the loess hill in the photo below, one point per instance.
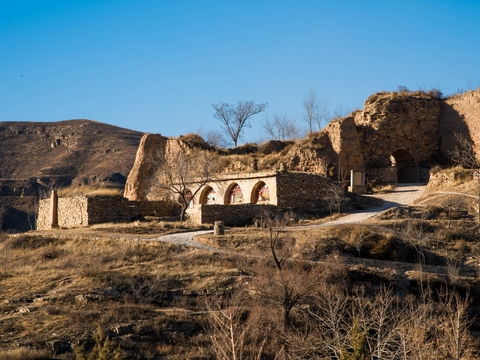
(64, 152)
(35, 156)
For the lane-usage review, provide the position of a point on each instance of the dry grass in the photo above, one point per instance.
(382, 189)
(66, 287)
(150, 227)
(24, 354)
(89, 190)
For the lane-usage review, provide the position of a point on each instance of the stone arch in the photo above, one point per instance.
(233, 195)
(260, 193)
(407, 169)
(208, 196)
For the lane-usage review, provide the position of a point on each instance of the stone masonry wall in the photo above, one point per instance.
(72, 211)
(75, 211)
(301, 190)
(232, 215)
(43, 214)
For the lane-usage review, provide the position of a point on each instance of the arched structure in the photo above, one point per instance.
(407, 170)
(208, 196)
(260, 194)
(233, 195)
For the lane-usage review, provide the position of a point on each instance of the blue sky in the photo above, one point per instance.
(157, 66)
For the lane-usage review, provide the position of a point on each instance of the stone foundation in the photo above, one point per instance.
(232, 215)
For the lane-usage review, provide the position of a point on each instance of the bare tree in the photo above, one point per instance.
(231, 335)
(334, 197)
(315, 113)
(185, 176)
(290, 284)
(281, 127)
(215, 138)
(234, 118)
(464, 154)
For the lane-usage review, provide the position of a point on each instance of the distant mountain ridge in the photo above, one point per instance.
(67, 152)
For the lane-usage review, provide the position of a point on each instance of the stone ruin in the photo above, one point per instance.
(396, 137)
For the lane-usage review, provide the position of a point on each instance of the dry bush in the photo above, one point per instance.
(24, 354)
(383, 189)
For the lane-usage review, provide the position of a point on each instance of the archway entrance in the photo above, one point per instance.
(233, 195)
(208, 196)
(260, 194)
(407, 170)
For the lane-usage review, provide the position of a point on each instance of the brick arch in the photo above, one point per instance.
(233, 195)
(208, 196)
(260, 193)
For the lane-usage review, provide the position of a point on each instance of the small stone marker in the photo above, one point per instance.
(218, 228)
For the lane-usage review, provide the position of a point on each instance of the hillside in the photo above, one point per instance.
(72, 151)
(36, 156)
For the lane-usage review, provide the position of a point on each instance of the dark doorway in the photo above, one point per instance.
(407, 170)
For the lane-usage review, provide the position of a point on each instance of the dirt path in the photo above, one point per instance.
(402, 195)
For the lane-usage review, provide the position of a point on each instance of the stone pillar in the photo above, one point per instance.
(218, 228)
(53, 222)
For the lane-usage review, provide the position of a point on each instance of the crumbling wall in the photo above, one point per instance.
(390, 122)
(460, 114)
(346, 144)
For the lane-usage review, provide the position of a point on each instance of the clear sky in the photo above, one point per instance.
(157, 65)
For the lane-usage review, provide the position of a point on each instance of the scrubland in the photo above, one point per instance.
(404, 285)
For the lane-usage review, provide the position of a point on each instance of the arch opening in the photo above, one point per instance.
(260, 193)
(208, 196)
(407, 170)
(233, 195)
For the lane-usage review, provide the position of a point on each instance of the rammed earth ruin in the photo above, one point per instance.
(396, 137)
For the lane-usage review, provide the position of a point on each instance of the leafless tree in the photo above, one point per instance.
(334, 197)
(464, 154)
(185, 176)
(315, 112)
(281, 127)
(289, 284)
(215, 138)
(454, 325)
(234, 118)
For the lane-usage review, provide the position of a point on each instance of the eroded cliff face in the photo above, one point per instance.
(460, 114)
(391, 122)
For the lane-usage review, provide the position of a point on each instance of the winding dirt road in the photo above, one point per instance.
(403, 194)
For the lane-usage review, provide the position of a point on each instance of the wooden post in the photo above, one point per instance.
(54, 210)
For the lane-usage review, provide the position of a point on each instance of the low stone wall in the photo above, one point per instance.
(449, 176)
(302, 190)
(81, 210)
(232, 215)
(72, 211)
